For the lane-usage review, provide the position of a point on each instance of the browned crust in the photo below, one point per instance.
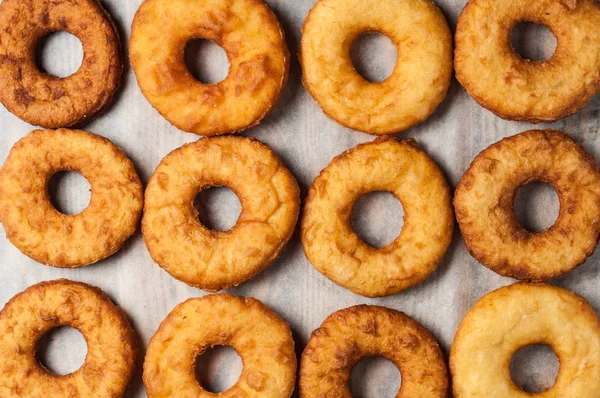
(88, 91)
(126, 357)
(352, 334)
(502, 262)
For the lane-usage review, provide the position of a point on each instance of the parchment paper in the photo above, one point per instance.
(307, 141)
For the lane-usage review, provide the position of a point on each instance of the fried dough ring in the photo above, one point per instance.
(515, 316)
(44, 100)
(112, 346)
(40, 231)
(415, 180)
(214, 260)
(518, 89)
(352, 334)
(255, 44)
(409, 95)
(484, 205)
(260, 337)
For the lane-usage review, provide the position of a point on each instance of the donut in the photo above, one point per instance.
(352, 334)
(515, 316)
(418, 83)
(484, 199)
(336, 251)
(255, 45)
(214, 260)
(48, 101)
(259, 336)
(37, 228)
(514, 88)
(112, 346)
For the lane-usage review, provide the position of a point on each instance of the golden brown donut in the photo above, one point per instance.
(420, 78)
(336, 251)
(515, 316)
(519, 89)
(214, 260)
(352, 334)
(251, 36)
(259, 336)
(112, 346)
(48, 101)
(484, 205)
(40, 231)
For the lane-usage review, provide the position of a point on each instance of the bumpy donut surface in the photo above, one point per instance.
(37, 228)
(44, 100)
(259, 336)
(514, 88)
(418, 83)
(112, 346)
(484, 202)
(512, 317)
(214, 260)
(352, 334)
(255, 45)
(385, 164)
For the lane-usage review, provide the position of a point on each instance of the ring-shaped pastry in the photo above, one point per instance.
(514, 88)
(48, 101)
(515, 316)
(112, 346)
(255, 45)
(336, 251)
(38, 229)
(214, 260)
(418, 83)
(484, 201)
(259, 336)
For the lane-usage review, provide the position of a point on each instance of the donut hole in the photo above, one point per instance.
(536, 206)
(206, 61)
(70, 192)
(218, 368)
(218, 208)
(534, 368)
(59, 54)
(375, 377)
(62, 350)
(377, 218)
(374, 56)
(533, 42)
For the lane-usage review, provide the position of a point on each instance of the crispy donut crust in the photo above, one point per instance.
(41, 232)
(215, 260)
(514, 88)
(112, 346)
(484, 201)
(515, 316)
(255, 44)
(418, 83)
(336, 251)
(352, 334)
(44, 100)
(259, 336)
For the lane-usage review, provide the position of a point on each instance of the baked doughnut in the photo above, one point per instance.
(214, 260)
(40, 231)
(44, 100)
(415, 180)
(255, 45)
(484, 205)
(352, 334)
(112, 346)
(518, 89)
(515, 316)
(409, 95)
(261, 338)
